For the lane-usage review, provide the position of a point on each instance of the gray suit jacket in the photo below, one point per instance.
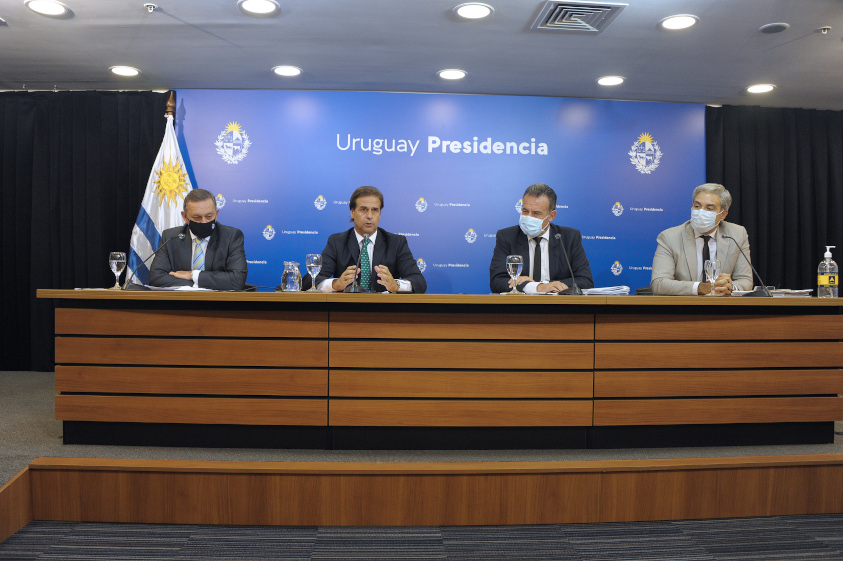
(225, 260)
(675, 262)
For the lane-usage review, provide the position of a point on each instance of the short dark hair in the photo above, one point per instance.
(364, 191)
(541, 190)
(197, 196)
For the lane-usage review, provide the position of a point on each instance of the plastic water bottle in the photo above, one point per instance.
(828, 277)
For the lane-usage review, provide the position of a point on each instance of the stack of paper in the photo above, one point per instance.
(606, 291)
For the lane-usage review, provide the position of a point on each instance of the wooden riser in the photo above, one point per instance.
(423, 494)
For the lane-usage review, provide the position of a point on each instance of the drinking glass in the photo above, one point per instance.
(712, 271)
(117, 262)
(514, 264)
(313, 262)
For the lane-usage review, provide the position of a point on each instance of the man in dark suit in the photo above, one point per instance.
(387, 264)
(540, 244)
(210, 255)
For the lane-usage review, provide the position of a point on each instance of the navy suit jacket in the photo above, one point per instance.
(512, 241)
(225, 260)
(342, 251)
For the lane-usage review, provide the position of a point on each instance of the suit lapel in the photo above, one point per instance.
(378, 257)
(554, 253)
(211, 252)
(522, 248)
(724, 246)
(690, 245)
(184, 255)
(353, 248)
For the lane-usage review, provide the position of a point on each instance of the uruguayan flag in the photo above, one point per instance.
(162, 203)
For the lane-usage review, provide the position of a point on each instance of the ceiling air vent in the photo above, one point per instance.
(579, 17)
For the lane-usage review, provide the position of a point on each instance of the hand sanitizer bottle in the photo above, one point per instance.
(828, 277)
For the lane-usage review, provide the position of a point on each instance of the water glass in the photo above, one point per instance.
(116, 262)
(313, 262)
(712, 271)
(514, 264)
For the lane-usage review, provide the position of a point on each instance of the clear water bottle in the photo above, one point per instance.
(828, 276)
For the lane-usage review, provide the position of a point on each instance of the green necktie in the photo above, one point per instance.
(365, 267)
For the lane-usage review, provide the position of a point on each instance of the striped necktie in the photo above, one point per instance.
(198, 257)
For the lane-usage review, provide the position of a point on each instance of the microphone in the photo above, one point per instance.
(574, 289)
(761, 291)
(355, 286)
(162, 246)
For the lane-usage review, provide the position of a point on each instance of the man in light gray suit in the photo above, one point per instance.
(682, 250)
(208, 255)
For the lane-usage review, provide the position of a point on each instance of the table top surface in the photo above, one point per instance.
(454, 299)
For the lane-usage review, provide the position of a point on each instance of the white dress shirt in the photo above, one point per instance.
(532, 287)
(712, 250)
(204, 242)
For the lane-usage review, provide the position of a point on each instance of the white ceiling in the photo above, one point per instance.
(399, 45)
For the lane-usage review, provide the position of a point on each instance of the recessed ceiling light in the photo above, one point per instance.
(261, 8)
(452, 74)
(125, 70)
(771, 28)
(286, 70)
(473, 10)
(677, 22)
(760, 88)
(47, 7)
(610, 80)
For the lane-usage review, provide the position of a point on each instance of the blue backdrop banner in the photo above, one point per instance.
(452, 169)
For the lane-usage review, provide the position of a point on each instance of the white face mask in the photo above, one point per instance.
(531, 226)
(704, 220)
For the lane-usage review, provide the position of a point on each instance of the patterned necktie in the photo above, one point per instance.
(537, 261)
(706, 256)
(365, 267)
(198, 257)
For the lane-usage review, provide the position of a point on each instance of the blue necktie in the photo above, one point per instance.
(198, 257)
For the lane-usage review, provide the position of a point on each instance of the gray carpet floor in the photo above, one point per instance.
(28, 429)
(780, 538)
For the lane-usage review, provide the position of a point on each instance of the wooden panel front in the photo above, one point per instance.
(455, 383)
(15, 504)
(656, 327)
(191, 323)
(649, 383)
(718, 493)
(732, 355)
(463, 355)
(471, 326)
(192, 352)
(717, 411)
(458, 413)
(206, 381)
(200, 410)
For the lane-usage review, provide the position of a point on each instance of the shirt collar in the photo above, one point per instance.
(372, 238)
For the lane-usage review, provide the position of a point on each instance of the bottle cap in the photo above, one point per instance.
(828, 249)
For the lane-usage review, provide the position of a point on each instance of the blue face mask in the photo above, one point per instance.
(531, 227)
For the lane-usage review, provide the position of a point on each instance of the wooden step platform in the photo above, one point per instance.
(418, 494)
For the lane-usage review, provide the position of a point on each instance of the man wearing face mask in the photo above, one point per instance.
(209, 256)
(682, 250)
(540, 245)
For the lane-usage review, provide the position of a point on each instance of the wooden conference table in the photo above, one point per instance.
(444, 371)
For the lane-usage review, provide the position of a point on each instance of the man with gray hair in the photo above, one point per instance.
(539, 243)
(207, 255)
(682, 250)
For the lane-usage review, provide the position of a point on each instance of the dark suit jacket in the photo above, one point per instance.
(391, 250)
(512, 241)
(225, 260)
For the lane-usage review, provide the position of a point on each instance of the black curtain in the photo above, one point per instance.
(784, 168)
(73, 169)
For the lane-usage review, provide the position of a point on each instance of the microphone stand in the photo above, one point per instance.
(162, 246)
(573, 289)
(762, 291)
